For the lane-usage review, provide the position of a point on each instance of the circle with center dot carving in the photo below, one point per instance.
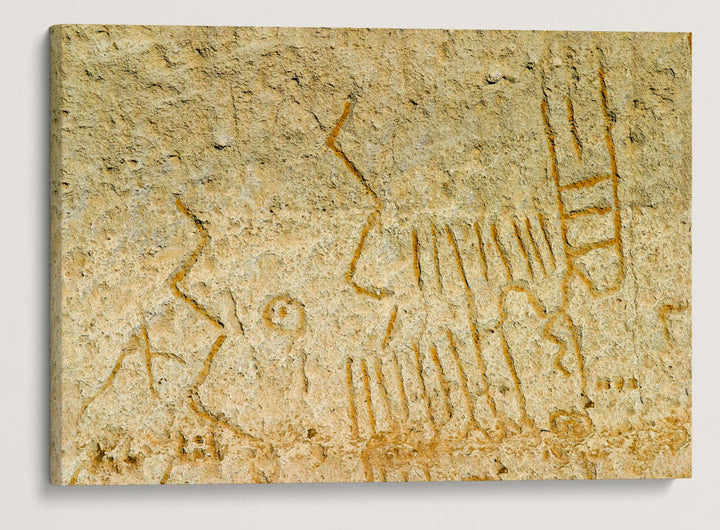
(285, 314)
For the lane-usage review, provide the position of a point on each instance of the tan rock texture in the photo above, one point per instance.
(309, 255)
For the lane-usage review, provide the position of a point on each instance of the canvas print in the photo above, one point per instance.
(332, 255)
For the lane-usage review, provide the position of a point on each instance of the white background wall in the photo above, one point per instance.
(26, 499)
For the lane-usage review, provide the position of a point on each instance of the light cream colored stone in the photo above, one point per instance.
(351, 255)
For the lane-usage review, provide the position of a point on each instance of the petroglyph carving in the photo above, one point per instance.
(378, 255)
(285, 314)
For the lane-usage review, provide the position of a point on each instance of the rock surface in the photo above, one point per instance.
(298, 255)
